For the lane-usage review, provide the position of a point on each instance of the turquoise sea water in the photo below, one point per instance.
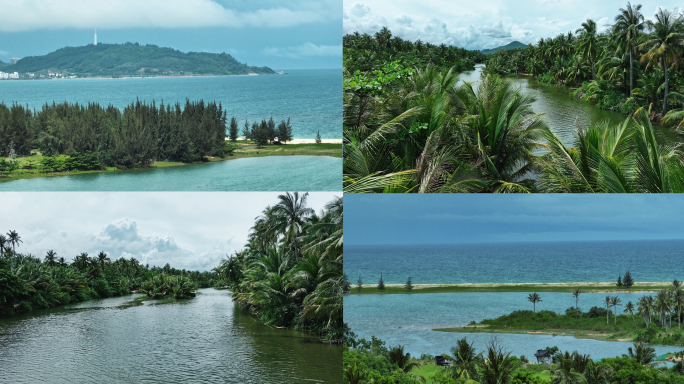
(312, 98)
(272, 173)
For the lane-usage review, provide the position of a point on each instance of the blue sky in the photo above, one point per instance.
(465, 218)
(280, 34)
(484, 24)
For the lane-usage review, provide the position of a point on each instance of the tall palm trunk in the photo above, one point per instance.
(664, 64)
(631, 72)
(635, 326)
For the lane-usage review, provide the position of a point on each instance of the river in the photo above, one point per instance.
(205, 339)
(409, 320)
(270, 173)
(562, 110)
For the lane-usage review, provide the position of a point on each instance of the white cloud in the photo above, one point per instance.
(483, 24)
(24, 15)
(187, 230)
(305, 50)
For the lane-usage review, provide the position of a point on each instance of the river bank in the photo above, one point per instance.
(245, 150)
(596, 287)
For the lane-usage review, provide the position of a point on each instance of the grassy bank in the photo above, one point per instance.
(590, 325)
(28, 167)
(597, 287)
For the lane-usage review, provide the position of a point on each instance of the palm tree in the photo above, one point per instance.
(397, 357)
(14, 239)
(534, 298)
(664, 44)
(607, 303)
(50, 258)
(576, 293)
(497, 367)
(465, 360)
(645, 308)
(3, 241)
(629, 308)
(663, 306)
(629, 24)
(596, 373)
(615, 302)
(289, 217)
(588, 43)
(678, 300)
(102, 259)
(643, 354)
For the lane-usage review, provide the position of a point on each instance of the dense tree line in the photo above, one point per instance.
(290, 272)
(27, 282)
(372, 362)
(366, 53)
(132, 138)
(265, 132)
(133, 60)
(636, 63)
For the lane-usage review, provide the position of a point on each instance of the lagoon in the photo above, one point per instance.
(409, 319)
(206, 339)
(271, 173)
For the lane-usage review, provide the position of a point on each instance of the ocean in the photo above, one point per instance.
(312, 98)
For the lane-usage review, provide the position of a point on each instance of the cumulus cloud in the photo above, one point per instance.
(481, 25)
(24, 15)
(304, 50)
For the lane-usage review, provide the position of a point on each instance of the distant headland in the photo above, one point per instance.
(126, 60)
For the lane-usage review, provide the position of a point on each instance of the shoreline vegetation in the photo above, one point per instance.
(410, 127)
(28, 283)
(289, 275)
(589, 287)
(63, 138)
(372, 361)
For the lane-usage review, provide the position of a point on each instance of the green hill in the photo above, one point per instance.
(509, 46)
(115, 60)
(2, 64)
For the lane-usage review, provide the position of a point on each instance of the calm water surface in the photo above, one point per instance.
(538, 262)
(409, 319)
(205, 339)
(311, 97)
(271, 173)
(562, 110)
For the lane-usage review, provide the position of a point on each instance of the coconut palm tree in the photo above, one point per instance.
(643, 354)
(615, 302)
(588, 43)
(596, 373)
(3, 241)
(645, 308)
(465, 361)
(402, 360)
(607, 303)
(102, 259)
(663, 306)
(629, 25)
(50, 258)
(534, 298)
(576, 293)
(289, 217)
(664, 44)
(14, 239)
(629, 308)
(497, 366)
(678, 300)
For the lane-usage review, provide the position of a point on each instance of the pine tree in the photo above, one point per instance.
(246, 132)
(619, 282)
(233, 130)
(346, 287)
(408, 284)
(318, 137)
(628, 281)
(271, 132)
(359, 284)
(285, 131)
(381, 284)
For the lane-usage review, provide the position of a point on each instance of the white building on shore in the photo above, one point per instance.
(7, 75)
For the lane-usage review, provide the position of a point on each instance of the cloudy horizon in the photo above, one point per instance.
(187, 230)
(296, 34)
(481, 218)
(486, 24)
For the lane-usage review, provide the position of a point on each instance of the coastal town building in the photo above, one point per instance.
(7, 75)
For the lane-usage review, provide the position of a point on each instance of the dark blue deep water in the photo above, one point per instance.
(659, 260)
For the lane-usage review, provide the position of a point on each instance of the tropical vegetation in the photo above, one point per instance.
(28, 282)
(372, 361)
(290, 272)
